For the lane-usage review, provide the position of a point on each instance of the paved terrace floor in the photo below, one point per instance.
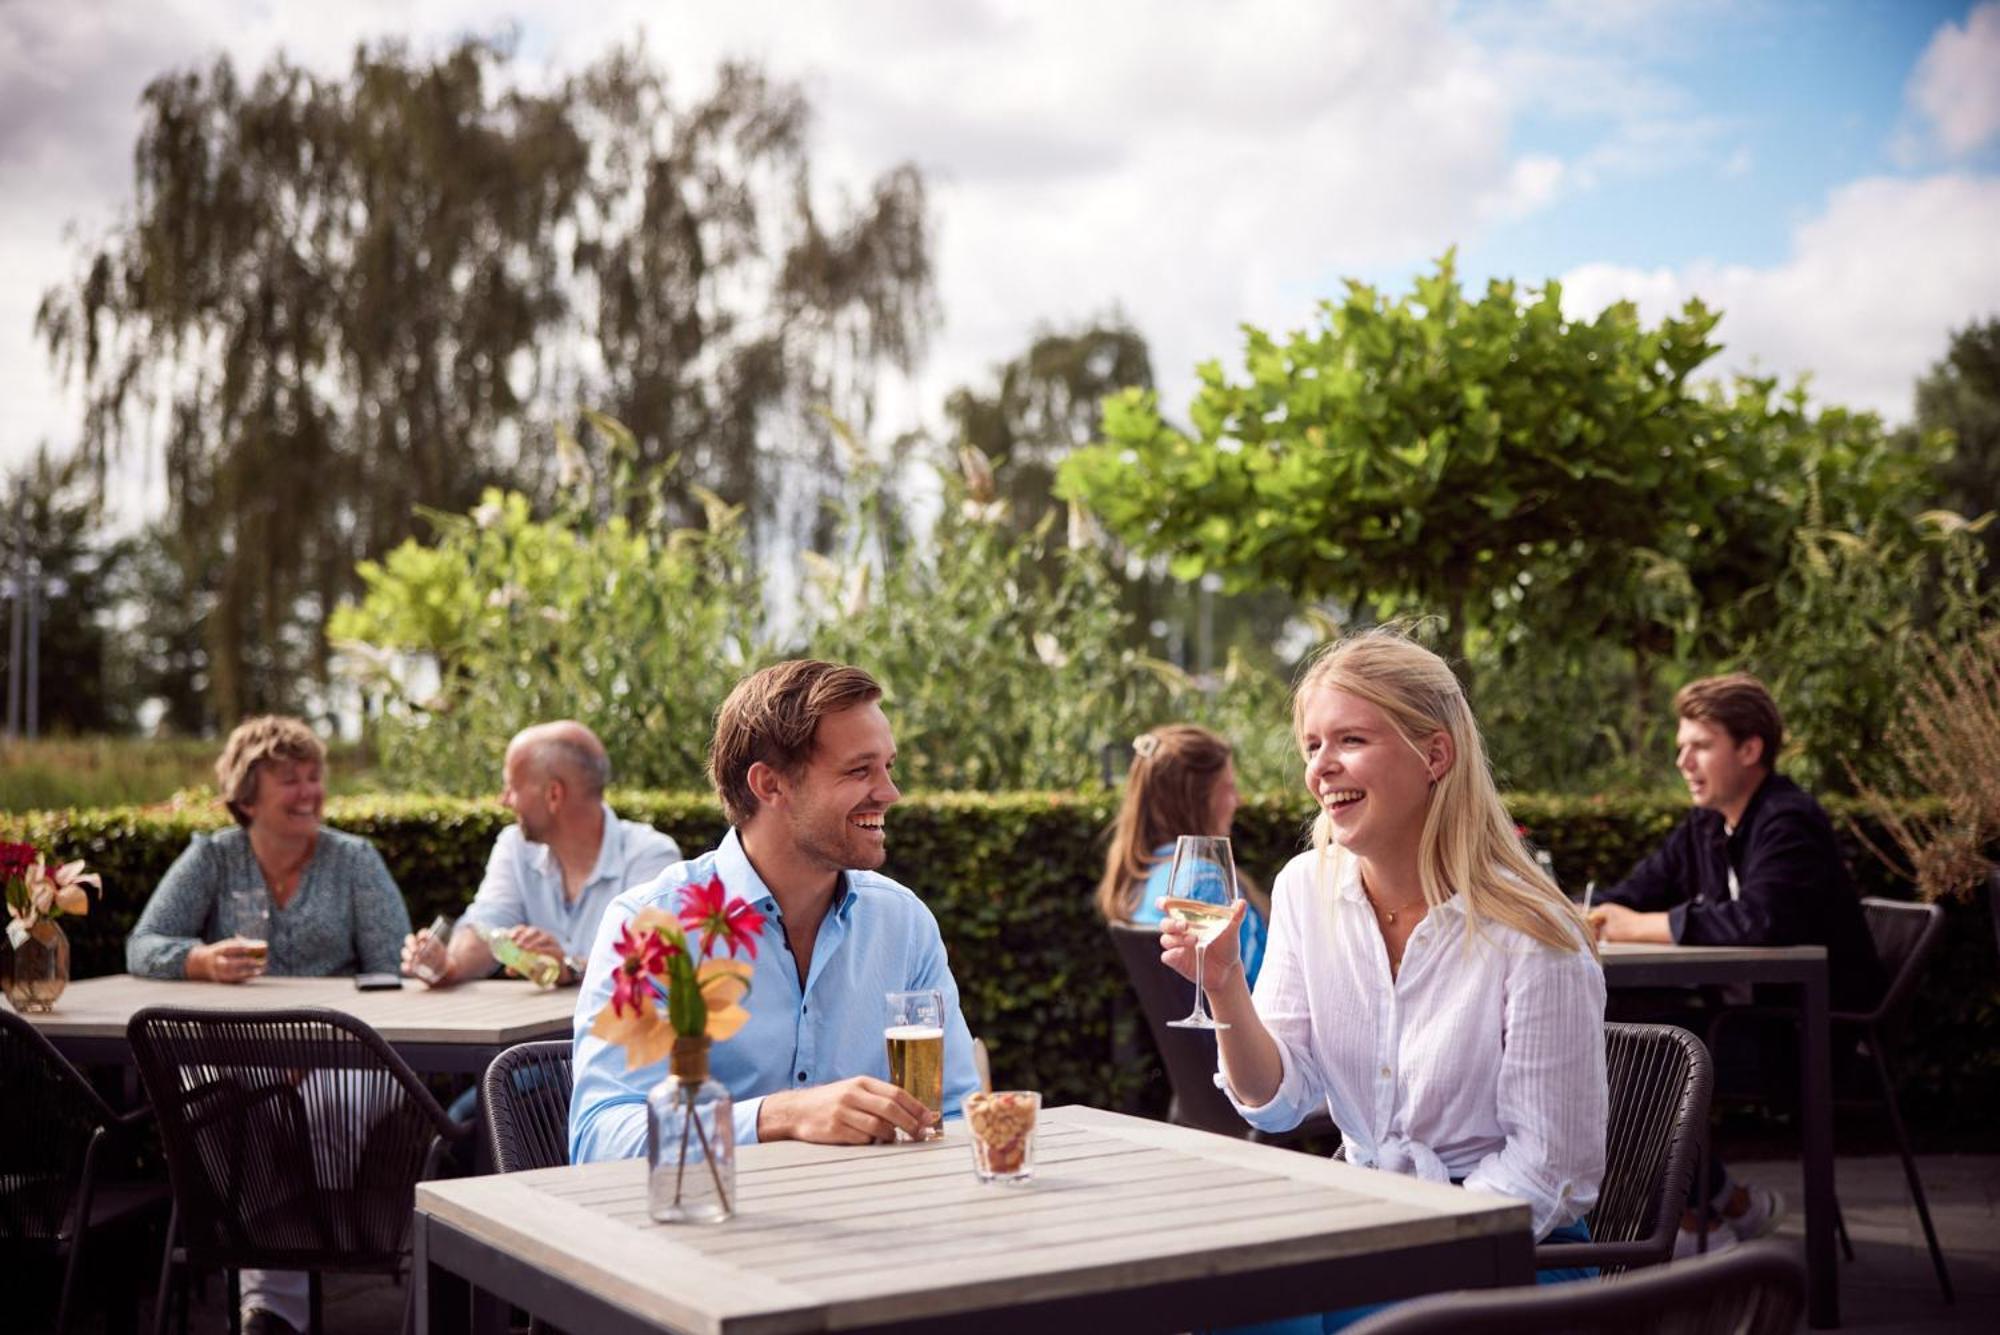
(1889, 1287)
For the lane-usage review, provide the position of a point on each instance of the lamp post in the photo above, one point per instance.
(27, 591)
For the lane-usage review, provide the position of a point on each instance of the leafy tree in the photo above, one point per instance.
(1961, 395)
(355, 296)
(1550, 486)
(1044, 404)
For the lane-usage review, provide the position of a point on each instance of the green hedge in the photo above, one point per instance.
(1010, 878)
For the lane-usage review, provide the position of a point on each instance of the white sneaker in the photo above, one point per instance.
(1766, 1208)
(1688, 1243)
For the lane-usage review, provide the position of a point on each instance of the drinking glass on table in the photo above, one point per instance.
(249, 914)
(1201, 893)
(433, 950)
(914, 1036)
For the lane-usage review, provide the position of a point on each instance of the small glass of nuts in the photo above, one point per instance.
(1003, 1134)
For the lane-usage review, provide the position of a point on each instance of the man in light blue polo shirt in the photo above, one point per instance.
(554, 871)
(801, 760)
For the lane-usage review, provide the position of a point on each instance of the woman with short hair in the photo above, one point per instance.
(333, 907)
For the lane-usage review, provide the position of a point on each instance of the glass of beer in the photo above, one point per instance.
(250, 921)
(914, 1036)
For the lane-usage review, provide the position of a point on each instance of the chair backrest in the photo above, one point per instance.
(525, 1097)
(1189, 1054)
(294, 1138)
(1755, 1289)
(1904, 935)
(1660, 1081)
(49, 1119)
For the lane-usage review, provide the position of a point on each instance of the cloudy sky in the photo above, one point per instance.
(1826, 173)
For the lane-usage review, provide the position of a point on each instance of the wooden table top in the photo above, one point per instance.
(1649, 952)
(487, 1012)
(830, 1237)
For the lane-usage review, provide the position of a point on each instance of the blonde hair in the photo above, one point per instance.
(255, 741)
(1469, 846)
(1169, 791)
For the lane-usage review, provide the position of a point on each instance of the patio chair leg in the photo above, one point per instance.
(314, 1323)
(1840, 1231)
(74, 1265)
(165, 1293)
(1910, 1166)
(234, 1297)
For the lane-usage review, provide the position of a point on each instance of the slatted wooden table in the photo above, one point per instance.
(458, 1029)
(1804, 968)
(1128, 1225)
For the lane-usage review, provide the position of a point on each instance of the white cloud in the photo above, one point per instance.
(1864, 302)
(1957, 81)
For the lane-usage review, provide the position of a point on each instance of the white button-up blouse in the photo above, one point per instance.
(1482, 1060)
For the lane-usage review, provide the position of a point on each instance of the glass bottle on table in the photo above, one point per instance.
(541, 970)
(1202, 891)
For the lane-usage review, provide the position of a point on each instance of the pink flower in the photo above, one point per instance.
(706, 909)
(642, 957)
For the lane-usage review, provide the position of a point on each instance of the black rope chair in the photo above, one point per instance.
(1189, 1054)
(57, 1139)
(1904, 936)
(1661, 1079)
(526, 1097)
(1758, 1289)
(294, 1141)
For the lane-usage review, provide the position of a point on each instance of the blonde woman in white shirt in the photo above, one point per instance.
(1424, 980)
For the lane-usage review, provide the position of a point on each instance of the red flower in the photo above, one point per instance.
(15, 859)
(642, 957)
(706, 909)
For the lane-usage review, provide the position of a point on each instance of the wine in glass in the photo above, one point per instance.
(1201, 893)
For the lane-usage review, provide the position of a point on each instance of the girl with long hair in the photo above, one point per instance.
(1182, 781)
(1424, 980)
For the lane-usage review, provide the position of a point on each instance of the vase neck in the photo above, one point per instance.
(690, 1059)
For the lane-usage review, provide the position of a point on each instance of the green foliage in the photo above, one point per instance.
(1010, 878)
(1960, 398)
(117, 771)
(636, 628)
(1590, 527)
(639, 630)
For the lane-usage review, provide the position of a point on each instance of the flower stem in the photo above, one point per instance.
(681, 1161)
(714, 1169)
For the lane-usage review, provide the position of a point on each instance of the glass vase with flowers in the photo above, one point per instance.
(34, 966)
(671, 1000)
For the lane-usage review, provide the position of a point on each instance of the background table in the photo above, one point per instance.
(1129, 1225)
(456, 1030)
(1803, 967)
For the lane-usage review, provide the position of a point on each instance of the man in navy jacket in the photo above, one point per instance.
(1754, 864)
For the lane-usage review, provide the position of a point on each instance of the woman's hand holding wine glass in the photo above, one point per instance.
(1202, 909)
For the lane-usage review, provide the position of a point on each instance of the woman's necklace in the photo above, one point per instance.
(1388, 915)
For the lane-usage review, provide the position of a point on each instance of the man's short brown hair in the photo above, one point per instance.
(772, 716)
(1740, 705)
(255, 741)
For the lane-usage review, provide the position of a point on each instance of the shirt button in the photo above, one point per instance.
(1386, 1073)
(802, 1077)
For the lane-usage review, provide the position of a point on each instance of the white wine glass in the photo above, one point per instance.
(1201, 894)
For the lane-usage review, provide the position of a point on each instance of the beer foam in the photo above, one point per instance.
(913, 1032)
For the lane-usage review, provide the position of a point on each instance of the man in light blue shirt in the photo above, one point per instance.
(554, 872)
(801, 759)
